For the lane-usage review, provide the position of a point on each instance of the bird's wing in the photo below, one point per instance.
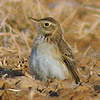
(68, 59)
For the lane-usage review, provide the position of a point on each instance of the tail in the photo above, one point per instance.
(75, 75)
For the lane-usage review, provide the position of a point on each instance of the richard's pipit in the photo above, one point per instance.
(51, 57)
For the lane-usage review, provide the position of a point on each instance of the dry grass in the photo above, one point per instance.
(80, 21)
(76, 17)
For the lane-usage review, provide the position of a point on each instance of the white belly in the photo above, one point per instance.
(46, 62)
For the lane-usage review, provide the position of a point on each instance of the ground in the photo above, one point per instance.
(80, 22)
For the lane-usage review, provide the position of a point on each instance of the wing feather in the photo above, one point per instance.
(68, 59)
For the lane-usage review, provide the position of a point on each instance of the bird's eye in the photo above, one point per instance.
(46, 24)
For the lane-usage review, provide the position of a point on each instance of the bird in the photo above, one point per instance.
(51, 57)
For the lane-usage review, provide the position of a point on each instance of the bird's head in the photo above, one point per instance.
(47, 26)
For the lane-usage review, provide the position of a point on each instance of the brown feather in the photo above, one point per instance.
(69, 60)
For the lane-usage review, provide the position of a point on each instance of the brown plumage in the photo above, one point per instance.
(51, 57)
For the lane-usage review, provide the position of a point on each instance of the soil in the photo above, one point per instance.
(16, 82)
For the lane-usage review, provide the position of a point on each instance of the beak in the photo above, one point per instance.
(34, 20)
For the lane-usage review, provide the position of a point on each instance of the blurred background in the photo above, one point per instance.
(79, 19)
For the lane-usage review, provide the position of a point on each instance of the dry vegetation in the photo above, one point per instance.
(80, 21)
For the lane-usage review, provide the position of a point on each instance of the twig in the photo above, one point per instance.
(81, 28)
(39, 8)
(14, 90)
(23, 8)
(4, 76)
(75, 50)
(87, 50)
(73, 16)
(3, 34)
(26, 42)
(31, 94)
(5, 37)
(14, 39)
